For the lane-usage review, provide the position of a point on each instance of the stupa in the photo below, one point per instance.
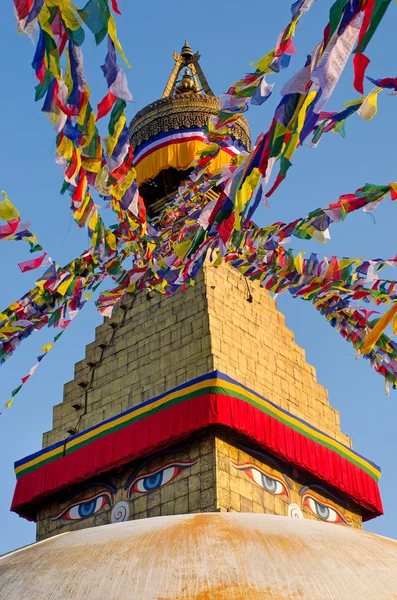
(200, 403)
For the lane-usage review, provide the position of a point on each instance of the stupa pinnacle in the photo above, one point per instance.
(168, 134)
(190, 62)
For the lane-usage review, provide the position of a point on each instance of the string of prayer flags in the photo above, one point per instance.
(31, 372)
(253, 88)
(211, 213)
(66, 99)
(14, 229)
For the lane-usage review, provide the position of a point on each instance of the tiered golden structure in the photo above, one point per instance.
(187, 103)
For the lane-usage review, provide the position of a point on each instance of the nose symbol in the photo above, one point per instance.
(120, 512)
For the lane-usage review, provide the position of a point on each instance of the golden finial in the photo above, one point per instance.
(187, 84)
(187, 53)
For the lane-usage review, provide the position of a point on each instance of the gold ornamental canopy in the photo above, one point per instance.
(187, 102)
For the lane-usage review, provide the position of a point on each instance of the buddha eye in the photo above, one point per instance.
(274, 484)
(323, 510)
(85, 509)
(159, 478)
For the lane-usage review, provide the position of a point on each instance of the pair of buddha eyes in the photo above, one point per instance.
(277, 485)
(141, 484)
(274, 484)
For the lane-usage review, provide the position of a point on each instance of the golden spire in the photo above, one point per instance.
(193, 79)
(186, 51)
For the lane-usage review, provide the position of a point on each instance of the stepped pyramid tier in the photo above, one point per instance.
(195, 403)
(168, 134)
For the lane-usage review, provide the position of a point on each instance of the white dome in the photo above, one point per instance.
(220, 556)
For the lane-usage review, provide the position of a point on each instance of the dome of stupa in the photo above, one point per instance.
(208, 556)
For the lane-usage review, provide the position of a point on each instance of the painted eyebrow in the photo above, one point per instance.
(136, 472)
(264, 455)
(253, 466)
(149, 459)
(273, 463)
(320, 488)
(101, 484)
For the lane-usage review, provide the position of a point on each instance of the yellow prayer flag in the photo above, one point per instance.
(298, 263)
(376, 332)
(369, 107)
(8, 404)
(264, 63)
(47, 348)
(93, 222)
(120, 189)
(112, 140)
(302, 113)
(67, 77)
(244, 194)
(218, 261)
(111, 239)
(83, 108)
(14, 306)
(65, 148)
(163, 285)
(355, 102)
(63, 287)
(8, 212)
(90, 130)
(69, 13)
(182, 248)
(113, 34)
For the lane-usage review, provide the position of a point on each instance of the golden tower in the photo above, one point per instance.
(198, 402)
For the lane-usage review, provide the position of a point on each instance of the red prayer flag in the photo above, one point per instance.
(288, 47)
(275, 185)
(30, 265)
(115, 7)
(121, 171)
(106, 105)
(23, 8)
(393, 191)
(360, 63)
(225, 228)
(78, 193)
(9, 229)
(142, 210)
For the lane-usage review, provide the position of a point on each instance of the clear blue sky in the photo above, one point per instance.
(229, 36)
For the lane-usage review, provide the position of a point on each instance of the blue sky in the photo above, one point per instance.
(229, 37)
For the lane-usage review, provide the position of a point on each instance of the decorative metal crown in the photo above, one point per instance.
(187, 102)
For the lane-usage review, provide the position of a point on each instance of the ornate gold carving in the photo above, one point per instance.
(186, 111)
